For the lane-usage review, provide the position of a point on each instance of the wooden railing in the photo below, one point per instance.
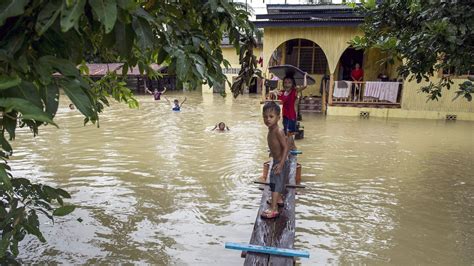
(358, 92)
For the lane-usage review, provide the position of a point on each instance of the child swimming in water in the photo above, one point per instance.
(176, 106)
(221, 127)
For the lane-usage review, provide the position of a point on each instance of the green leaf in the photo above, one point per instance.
(63, 193)
(182, 67)
(106, 12)
(79, 98)
(162, 54)
(4, 178)
(8, 82)
(26, 90)
(14, 43)
(70, 15)
(20, 181)
(10, 124)
(127, 4)
(63, 66)
(14, 246)
(50, 97)
(143, 32)
(11, 8)
(201, 70)
(6, 236)
(64, 210)
(51, 192)
(26, 108)
(32, 226)
(140, 12)
(47, 214)
(124, 37)
(47, 16)
(5, 144)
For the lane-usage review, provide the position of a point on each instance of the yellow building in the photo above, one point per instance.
(315, 39)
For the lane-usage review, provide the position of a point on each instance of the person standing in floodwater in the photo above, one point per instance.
(156, 94)
(176, 106)
(277, 143)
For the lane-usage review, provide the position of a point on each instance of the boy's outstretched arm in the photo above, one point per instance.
(163, 91)
(214, 127)
(147, 90)
(185, 98)
(167, 99)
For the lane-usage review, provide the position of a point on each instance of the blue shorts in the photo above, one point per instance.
(277, 181)
(289, 125)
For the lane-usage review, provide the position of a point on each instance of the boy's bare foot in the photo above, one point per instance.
(279, 203)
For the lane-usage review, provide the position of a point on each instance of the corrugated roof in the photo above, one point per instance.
(321, 8)
(102, 69)
(309, 16)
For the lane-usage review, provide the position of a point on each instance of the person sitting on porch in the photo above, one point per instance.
(357, 74)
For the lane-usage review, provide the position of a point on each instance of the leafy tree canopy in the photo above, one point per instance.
(429, 36)
(42, 43)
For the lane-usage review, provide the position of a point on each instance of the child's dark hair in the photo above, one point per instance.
(271, 106)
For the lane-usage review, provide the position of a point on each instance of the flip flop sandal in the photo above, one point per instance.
(268, 214)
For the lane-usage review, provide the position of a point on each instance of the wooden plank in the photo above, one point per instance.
(287, 185)
(279, 232)
(284, 230)
(268, 250)
(295, 152)
(261, 230)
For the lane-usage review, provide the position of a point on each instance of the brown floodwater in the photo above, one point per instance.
(154, 186)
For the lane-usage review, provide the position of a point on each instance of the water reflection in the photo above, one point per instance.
(154, 186)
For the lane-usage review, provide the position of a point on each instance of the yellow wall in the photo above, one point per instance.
(373, 67)
(397, 113)
(230, 54)
(413, 99)
(314, 89)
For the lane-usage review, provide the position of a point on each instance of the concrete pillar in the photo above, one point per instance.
(331, 88)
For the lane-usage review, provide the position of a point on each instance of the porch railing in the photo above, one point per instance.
(370, 92)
